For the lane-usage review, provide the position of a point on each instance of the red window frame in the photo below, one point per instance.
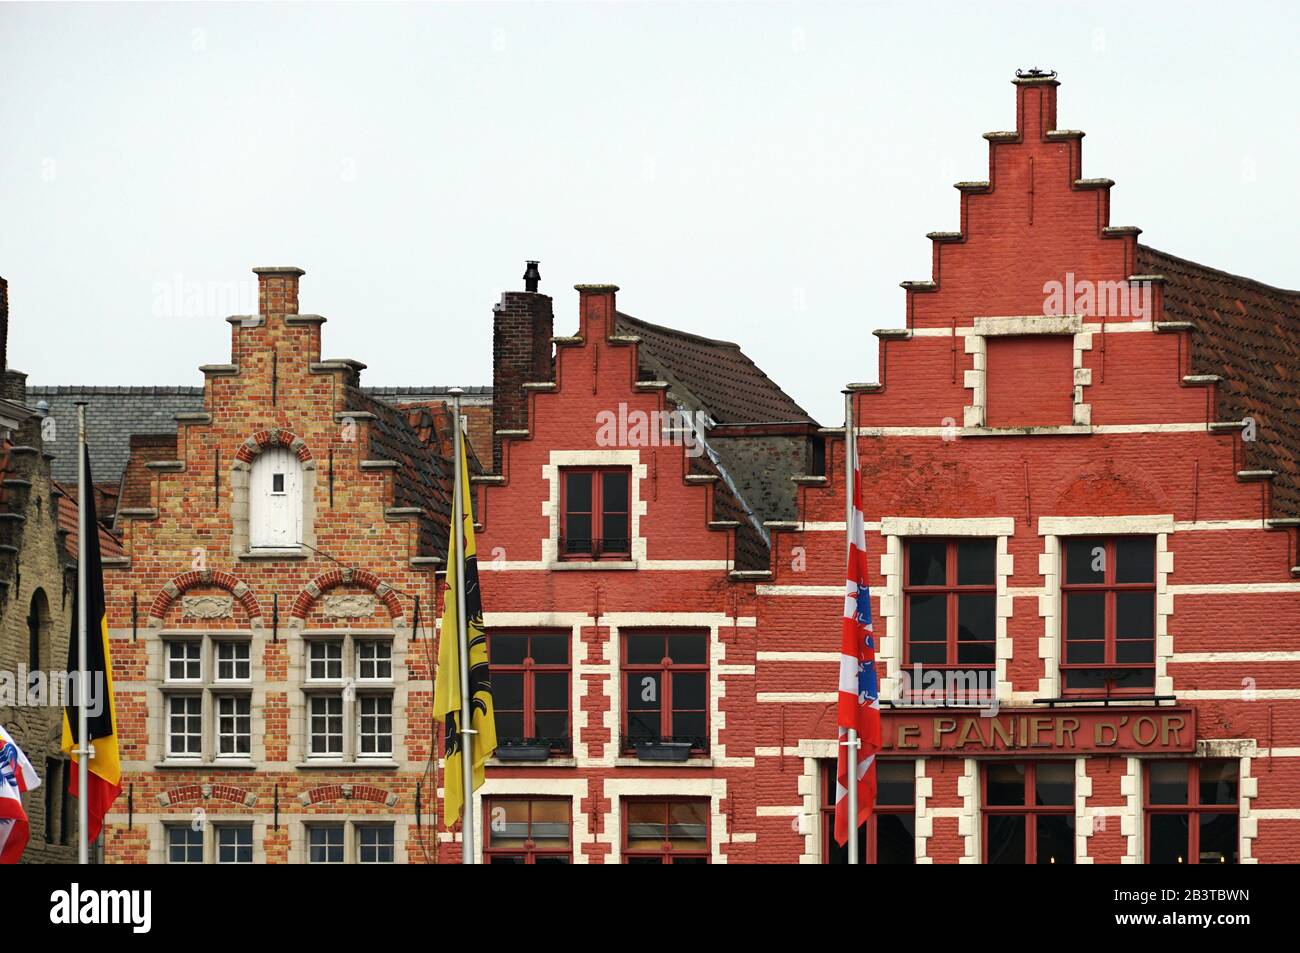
(1030, 810)
(529, 669)
(666, 853)
(529, 851)
(597, 548)
(953, 591)
(1109, 588)
(1193, 808)
(665, 669)
(868, 854)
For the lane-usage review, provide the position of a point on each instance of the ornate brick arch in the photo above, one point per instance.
(204, 577)
(347, 576)
(274, 437)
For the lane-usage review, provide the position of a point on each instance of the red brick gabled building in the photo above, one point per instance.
(1079, 484)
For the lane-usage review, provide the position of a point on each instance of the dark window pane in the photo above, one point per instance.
(577, 492)
(1218, 782)
(577, 534)
(1006, 783)
(1085, 560)
(551, 860)
(1135, 559)
(894, 782)
(1135, 678)
(614, 486)
(688, 649)
(895, 839)
(1085, 679)
(1085, 615)
(926, 562)
(975, 562)
(1055, 839)
(1218, 839)
(550, 724)
(928, 618)
(835, 854)
(690, 690)
(976, 618)
(506, 859)
(1135, 652)
(688, 724)
(1169, 839)
(1135, 615)
(1006, 839)
(1084, 653)
(550, 690)
(614, 535)
(510, 724)
(643, 691)
(550, 649)
(642, 859)
(645, 649)
(1168, 782)
(928, 653)
(508, 690)
(1054, 783)
(975, 653)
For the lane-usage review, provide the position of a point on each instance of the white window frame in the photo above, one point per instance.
(220, 827)
(209, 690)
(352, 832)
(245, 660)
(188, 827)
(352, 692)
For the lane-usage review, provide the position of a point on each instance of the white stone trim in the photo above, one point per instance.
(979, 430)
(1105, 525)
(969, 821)
(1131, 822)
(1083, 815)
(574, 788)
(616, 789)
(975, 414)
(924, 822)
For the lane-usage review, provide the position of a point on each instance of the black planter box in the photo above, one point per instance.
(663, 750)
(523, 752)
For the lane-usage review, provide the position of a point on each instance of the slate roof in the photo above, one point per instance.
(1249, 333)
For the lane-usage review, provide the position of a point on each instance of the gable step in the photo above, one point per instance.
(219, 370)
(1002, 136)
(1093, 183)
(919, 285)
(742, 575)
(1225, 425)
(1166, 327)
(1201, 380)
(944, 236)
(971, 186)
(1256, 474)
(1064, 134)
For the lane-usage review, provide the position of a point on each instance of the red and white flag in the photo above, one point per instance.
(16, 777)
(859, 699)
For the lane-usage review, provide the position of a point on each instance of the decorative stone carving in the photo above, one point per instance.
(358, 606)
(207, 607)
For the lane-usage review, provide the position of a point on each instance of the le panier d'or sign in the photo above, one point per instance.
(1064, 731)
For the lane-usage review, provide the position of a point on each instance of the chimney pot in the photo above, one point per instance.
(532, 276)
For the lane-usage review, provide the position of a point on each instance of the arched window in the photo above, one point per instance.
(275, 500)
(38, 630)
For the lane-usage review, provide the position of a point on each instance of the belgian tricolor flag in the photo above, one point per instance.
(105, 771)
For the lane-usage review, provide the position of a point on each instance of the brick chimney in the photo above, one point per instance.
(522, 326)
(277, 289)
(1035, 102)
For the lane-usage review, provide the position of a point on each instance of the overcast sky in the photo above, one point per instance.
(761, 173)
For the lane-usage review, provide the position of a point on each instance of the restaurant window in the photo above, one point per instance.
(889, 836)
(1108, 611)
(666, 689)
(528, 830)
(1029, 812)
(596, 508)
(1191, 812)
(950, 602)
(665, 831)
(530, 689)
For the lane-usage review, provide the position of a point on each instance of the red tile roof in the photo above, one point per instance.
(109, 545)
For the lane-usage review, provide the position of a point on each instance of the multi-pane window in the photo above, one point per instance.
(889, 836)
(1191, 812)
(325, 843)
(207, 698)
(530, 688)
(349, 698)
(234, 661)
(595, 507)
(234, 726)
(185, 726)
(666, 688)
(375, 844)
(665, 831)
(185, 660)
(1108, 596)
(528, 830)
(1029, 812)
(184, 844)
(950, 602)
(234, 843)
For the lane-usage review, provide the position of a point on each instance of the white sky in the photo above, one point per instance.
(762, 173)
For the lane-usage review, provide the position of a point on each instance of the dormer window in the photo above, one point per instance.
(275, 500)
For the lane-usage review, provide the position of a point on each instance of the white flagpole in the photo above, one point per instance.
(466, 708)
(85, 750)
(850, 456)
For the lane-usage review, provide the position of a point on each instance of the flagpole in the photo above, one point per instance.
(850, 453)
(84, 749)
(466, 729)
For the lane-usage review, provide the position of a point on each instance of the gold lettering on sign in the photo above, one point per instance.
(970, 732)
(1177, 732)
(1150, 725)
(905, 732)
(1065, 729)
(943, 726)
(1004, 733)
(1039, 724)
(1099, 734)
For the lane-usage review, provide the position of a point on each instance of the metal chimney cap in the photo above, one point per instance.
(532, 276)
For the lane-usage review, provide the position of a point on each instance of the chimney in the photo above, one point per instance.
(522, 327)
(277, 289)
(1035, 102)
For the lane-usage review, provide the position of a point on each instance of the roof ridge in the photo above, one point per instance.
(103, 389)
(1219, 271)
(686, 334)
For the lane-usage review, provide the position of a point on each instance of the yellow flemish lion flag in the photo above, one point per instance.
(105, 773)
(446, 691)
